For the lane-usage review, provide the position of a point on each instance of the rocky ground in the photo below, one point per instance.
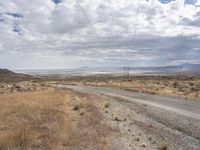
(40, 116)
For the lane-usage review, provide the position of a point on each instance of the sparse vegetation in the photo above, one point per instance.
(44, 120)
(137, 139)
(163, 145)
(143, 145)
(117, 118)
(76, 107)
(82, 113)
(183, 86)
(36, 115)
(107, 105)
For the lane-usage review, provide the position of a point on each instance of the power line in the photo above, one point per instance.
(86, 17)
(111, 16)
(136, 21)
(127, 69)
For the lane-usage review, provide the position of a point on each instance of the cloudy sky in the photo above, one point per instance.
(56, 34)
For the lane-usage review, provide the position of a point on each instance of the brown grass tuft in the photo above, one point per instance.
(163, 145)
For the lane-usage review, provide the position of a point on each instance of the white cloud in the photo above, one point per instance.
(62, 32)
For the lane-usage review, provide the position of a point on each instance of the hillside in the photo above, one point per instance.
(9, 76)
(6, 71)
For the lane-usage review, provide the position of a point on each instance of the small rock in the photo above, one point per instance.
(19, 90)
(143, 145)
(82, 113)
(137, 139)
(76, 107)
(117, 119)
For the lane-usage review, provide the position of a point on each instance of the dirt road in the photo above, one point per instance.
(183, 107)
(181, 114)
(97, 118)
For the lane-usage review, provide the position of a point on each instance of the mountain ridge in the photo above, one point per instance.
(10, 76)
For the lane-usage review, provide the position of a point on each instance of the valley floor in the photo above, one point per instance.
(44, 116)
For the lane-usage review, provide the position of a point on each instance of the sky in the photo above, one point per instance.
(66, 34)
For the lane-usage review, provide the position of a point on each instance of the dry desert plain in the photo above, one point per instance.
(103, 113)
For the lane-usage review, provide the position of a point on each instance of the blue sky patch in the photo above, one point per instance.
(16, 15)
(1, 19)
(190, 2)
(57, 1)
(17, 29)
(166, 1)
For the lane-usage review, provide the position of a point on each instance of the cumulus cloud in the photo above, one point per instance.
(68, 34)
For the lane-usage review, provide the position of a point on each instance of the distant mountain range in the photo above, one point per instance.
(178, 68)
(161, 69)
(183, 68)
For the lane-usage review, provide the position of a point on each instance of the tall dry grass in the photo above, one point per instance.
(46, 120)
(32, 120)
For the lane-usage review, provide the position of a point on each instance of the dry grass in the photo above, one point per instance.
(107, 105)
(46, 120)
(180, 86)
(32, 120)
(163, 145)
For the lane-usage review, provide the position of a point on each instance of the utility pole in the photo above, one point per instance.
(128, 69)
(126, 73)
